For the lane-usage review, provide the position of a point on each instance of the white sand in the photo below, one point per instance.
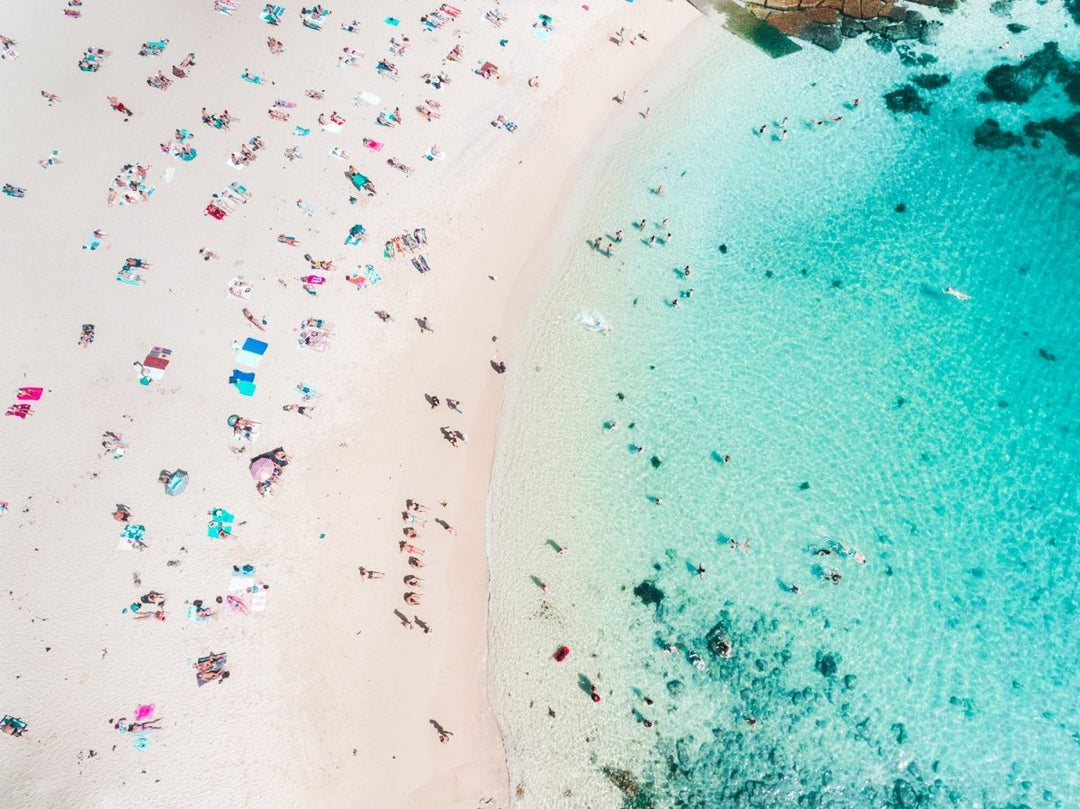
(330, 698)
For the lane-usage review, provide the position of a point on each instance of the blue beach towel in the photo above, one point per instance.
(255, 346)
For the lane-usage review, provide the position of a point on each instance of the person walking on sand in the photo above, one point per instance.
(454, 404)
(118, 105)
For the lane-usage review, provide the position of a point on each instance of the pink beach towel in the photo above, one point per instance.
(29, 394)
(144, 712)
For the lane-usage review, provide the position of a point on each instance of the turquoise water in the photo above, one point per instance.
(861, 408)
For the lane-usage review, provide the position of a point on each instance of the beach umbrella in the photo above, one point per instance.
(177, 483)
(262, 469)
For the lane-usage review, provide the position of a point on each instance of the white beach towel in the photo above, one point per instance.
(366, 98)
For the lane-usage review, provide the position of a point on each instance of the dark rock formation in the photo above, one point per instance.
(1016, 84)
(827, 663)
(931, 81)
(1067, 130)
(909, 58)
(1073, 7)
(1015, 28)
(907, 99)
(719, 638)
(649, 593)
(826, 23)
(990, 135)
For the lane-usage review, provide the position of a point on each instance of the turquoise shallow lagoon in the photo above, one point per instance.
(863, 410)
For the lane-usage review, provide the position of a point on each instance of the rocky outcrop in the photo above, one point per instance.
(990, 135)
(1066, 130)
(907, 99)
(1016, 84)
(826, 23)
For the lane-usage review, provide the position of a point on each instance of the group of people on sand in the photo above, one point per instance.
(412, 596)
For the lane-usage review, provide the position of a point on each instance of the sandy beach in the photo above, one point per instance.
(331, 695)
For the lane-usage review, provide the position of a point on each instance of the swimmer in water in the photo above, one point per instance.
(701, 571)
(956, 293)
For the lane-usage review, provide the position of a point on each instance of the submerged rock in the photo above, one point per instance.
(827, 663)
(649, 593)
(1016, 84)
(906, 99)
(1067, 130)
(719, 639)
(931, 81)
(910, 58)
(675, 687)
(879, 43)
(990, 135)
(625, 782)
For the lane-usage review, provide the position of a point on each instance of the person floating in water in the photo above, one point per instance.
(956, 293)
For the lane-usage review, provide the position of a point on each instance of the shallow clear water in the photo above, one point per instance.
(861, 408)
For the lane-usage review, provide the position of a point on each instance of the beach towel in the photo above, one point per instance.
(246, 388)
(29, 394)
(301, 131)
(366, 98)
(93, 243)
(144, 712)
(237, 604)
(255, 346)
(193, 615)
(215, 212)
(154, 361)
(19, 411)
(421, 265)
(374, 145)
(133, 531)
(273, 16)
(394, 21)
(241, 376)
(248, 359)
(331, 127)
